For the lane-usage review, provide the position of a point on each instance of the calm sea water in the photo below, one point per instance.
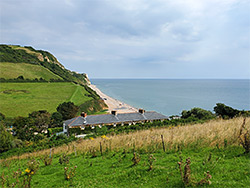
(170, 97)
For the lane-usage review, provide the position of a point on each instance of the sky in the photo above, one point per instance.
(171, 39)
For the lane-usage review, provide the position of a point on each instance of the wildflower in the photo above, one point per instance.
(105, 137)
(91, 138)
(27, 171)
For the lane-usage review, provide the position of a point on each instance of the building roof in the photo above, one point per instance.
(112, 119)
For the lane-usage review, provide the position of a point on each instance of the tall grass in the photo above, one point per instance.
(212, 133)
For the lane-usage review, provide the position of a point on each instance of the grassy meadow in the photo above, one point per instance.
(107, 161)
(13, 70)
(20, 99)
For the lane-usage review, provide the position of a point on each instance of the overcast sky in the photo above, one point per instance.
(135, 38)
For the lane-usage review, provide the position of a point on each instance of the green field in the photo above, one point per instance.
(13, 70)
(115, 169)
(20, 99)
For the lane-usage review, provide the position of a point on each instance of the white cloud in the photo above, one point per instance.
(141, 37)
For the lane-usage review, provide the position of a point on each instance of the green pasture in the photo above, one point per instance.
(13, 70)
(115, 169)
(20, 99)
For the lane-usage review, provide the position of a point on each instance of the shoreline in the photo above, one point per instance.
(114, 104)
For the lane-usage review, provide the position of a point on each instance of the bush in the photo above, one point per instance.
(5, 139)
(68, 110)
(198, 113)
(225, 111)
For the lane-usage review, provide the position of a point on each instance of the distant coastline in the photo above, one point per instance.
(113, 104)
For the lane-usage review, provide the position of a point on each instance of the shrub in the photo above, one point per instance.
(198, 113)
(67, 109)
(5, 139)
(225, 111)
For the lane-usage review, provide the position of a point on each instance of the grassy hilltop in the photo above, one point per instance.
(33, 80)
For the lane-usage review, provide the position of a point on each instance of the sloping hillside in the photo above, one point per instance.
(27, 54)
(28, 71)
(47, 83)
(20, 99)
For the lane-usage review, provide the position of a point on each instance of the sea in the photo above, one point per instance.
(172, 96)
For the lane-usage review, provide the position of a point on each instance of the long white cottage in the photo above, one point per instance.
(111, 119)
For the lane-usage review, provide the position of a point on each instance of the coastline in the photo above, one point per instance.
(114, 104)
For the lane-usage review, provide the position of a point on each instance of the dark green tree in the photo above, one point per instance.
(20, 78)
(40, 120)
(198, 113)
(2, 116)
(68, 110)
(56, 119)
(24, 128)
(225, 111)
(5, 139)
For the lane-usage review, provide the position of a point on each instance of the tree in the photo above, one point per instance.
(68, 110)
(225, 111)
(197, 113)
(2, 116)
(20, 78)
(5, 139)
(56, 119)
(23, 128)
(40, 120)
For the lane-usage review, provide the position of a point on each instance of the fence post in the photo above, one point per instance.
(163, 145)
(50, 152)
(75, 150)
(101, 148)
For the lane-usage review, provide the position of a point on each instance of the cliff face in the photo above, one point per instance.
(27, 54)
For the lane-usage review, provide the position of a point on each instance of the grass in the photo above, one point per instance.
(13, 70)
(114, 169)
(20, 99)
(203, 143)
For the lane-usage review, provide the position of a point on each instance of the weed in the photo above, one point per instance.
(186, 176)
(6, 163)
(3, 180)
(151, 160)
(206, 179)
(47, 160)
(33, 166)
(244, 137)
(136, 159)
(225, 143)
(92, 151)
(64, 159)
(69, 174)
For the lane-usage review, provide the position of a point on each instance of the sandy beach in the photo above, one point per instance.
(114, 104)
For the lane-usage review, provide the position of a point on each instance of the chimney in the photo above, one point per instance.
(141, 111)
(83, 114)
(113, 112)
